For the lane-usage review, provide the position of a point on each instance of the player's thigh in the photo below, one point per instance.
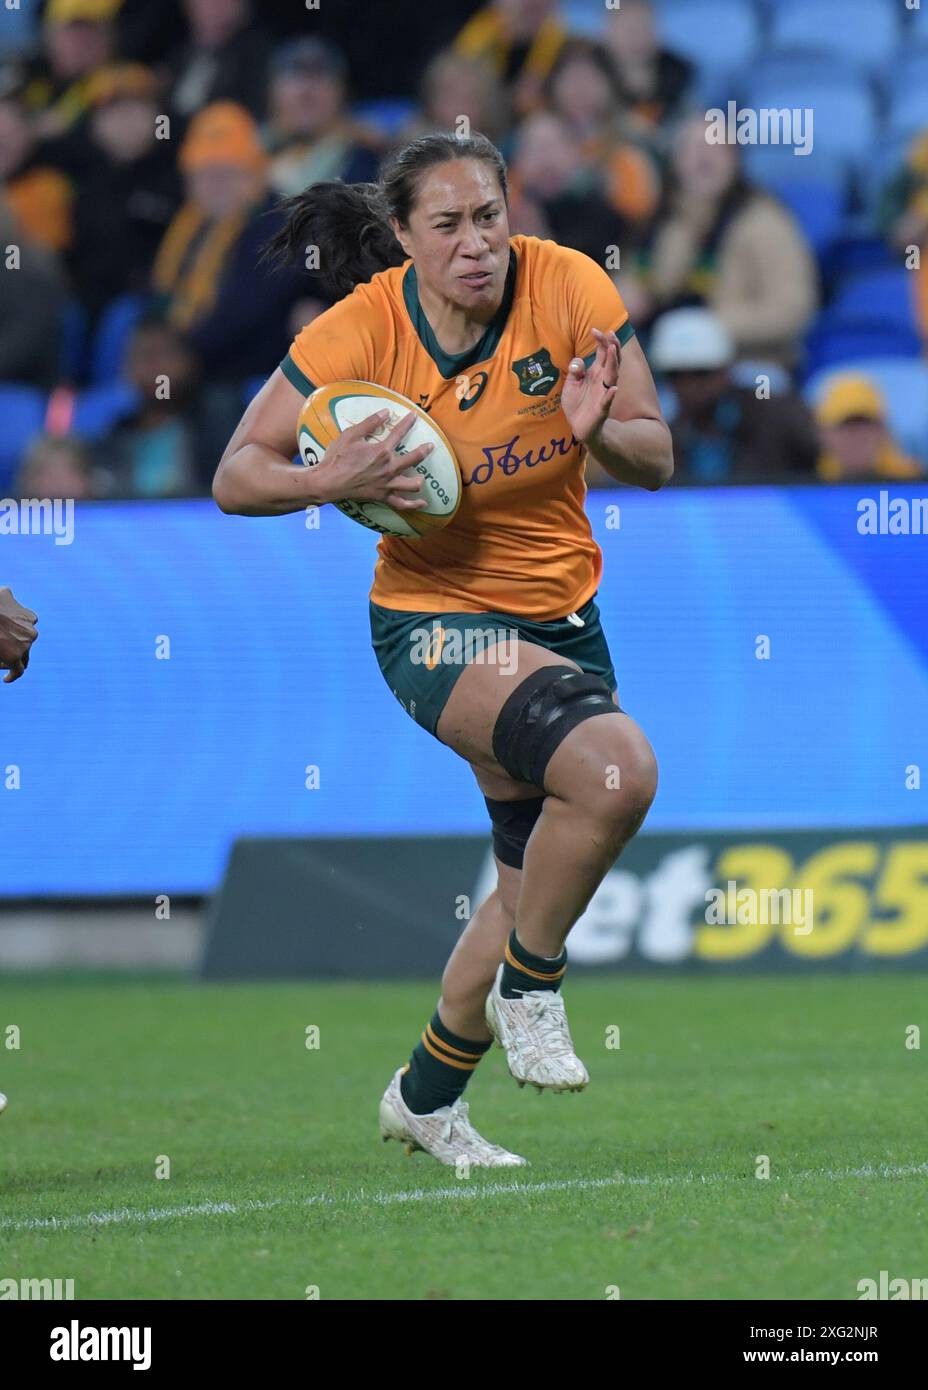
(469, 717)
(599, 757)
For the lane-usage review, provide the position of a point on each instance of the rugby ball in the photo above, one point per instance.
(334, 408)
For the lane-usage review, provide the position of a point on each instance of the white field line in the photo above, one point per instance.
(132, 1216)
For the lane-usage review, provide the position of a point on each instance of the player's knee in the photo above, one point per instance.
(546, 734)
(639, 791)
(612, 777)
(513, 823)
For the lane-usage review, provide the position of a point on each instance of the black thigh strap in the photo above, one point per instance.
(513, 822)
(539, 715)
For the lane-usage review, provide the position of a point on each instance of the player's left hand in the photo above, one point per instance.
(589, 391)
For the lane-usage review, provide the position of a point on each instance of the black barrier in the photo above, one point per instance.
(393, 908)
(340, 908)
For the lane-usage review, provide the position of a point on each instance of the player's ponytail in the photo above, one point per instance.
(343, 231)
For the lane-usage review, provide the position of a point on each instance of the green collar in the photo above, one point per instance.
(448, 365)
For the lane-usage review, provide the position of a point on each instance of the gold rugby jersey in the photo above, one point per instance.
(520, 542)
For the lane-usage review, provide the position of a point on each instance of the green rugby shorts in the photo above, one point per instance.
(421, 655)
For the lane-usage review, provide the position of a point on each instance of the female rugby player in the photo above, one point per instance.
(522, 352)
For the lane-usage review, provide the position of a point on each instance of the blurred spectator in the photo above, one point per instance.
(521, 39)
(78, 36)
(721, 241)
(38, 194)
(161, 451)
(83, 178)
(903, 217)
(553, 193)
(310, 133)
(856, 443)
(387, 45)
(32, 298)
(225, 59)
(903, 214)
(303, 311)
(454, 86)
(584, 89)
(55, 466)
(207, 272)
(723, 433)
(127, 190)
(148, 33)
(654, 80)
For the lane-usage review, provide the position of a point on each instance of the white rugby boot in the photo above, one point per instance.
(534, 1033)
(447, 1134)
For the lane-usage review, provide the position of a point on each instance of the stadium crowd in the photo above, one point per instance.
(144, 149)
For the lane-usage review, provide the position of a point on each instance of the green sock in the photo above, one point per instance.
(524, 972)
(439, 1068)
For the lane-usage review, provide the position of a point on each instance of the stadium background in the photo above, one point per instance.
(140, 767)
(170, 1138)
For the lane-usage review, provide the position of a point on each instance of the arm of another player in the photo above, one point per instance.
(613, 409)
(17, 634)
(257, 476)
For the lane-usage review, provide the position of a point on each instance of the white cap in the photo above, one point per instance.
(690, 340)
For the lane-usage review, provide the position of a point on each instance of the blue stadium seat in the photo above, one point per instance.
(844, 125)
(908, 112)
(586, 18)
(915, 29)
(828, 343)
(717, 35)
(389, 115)
(856, 31)
(904, 383)
(872, 316)
(19, 28)
(791, 67)
(885, 295)
(910, 74)
(857, 250)
(100, 408)
(817, 207)
(22, 410)
(112, 336)
(776, 167)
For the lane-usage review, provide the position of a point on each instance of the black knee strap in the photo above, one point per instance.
(513, 822)
(539, 715)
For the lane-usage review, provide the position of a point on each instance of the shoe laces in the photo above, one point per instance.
(457, 1125)
(550, 1016)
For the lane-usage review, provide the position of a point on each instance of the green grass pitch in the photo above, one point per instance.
(279, 1182)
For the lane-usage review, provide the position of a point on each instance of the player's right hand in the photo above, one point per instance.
(17, 634)
(360, 468)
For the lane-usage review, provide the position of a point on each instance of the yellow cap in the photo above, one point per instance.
(121, 80)
(88, 11)
(850, 397)
(223, 133)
